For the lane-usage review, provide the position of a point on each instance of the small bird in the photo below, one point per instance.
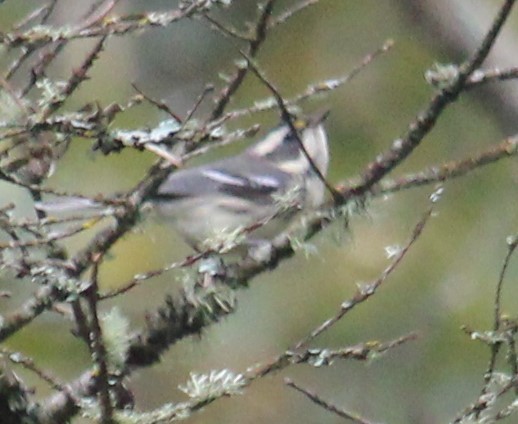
(208, 204)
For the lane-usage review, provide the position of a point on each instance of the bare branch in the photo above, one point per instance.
(114, 26)
(449, 170)
(97, 347)
(312, 396)
(426, 120)
(261, 28)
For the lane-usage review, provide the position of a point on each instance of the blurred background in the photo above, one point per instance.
(447, 280)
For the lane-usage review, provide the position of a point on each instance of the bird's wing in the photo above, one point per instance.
(257, 181)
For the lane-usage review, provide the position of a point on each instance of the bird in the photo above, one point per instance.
(250, 197)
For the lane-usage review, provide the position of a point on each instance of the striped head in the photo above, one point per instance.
(282, 148)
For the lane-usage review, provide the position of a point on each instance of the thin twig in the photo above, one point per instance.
(16, 244)
(288, 119)
(227, 30)
(78, 76)
(291, 12)
(512, 244)
(449, 170)
(312, 90)
(96, 13)
(209, 88)
(161, 105)
(328, 406)
(34, 15)
(118, 25)
(483, 402)
(261, 29)
(497, 318)
(29, 364)
(367, 290)
(481, 77)
(44, 12)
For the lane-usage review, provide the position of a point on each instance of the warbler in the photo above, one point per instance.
(267, 184)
